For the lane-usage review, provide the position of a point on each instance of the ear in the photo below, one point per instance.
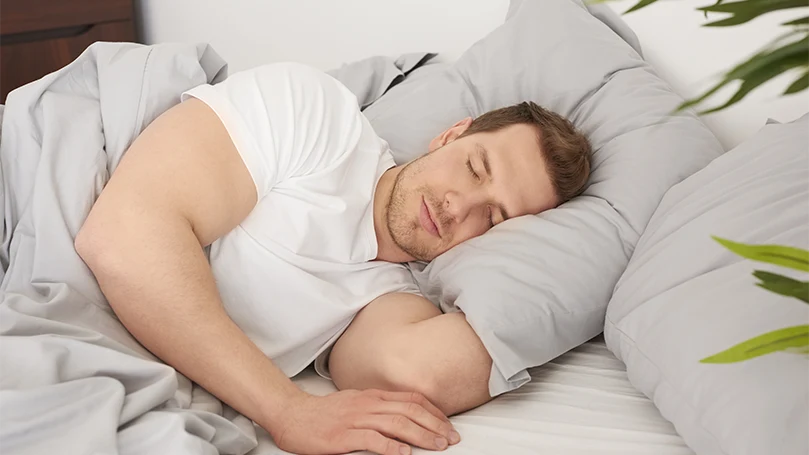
(450, 134)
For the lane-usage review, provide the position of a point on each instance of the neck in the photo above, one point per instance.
(387, 249)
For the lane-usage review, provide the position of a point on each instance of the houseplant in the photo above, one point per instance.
(788, 52)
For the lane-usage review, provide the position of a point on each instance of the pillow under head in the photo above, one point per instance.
(537, 286)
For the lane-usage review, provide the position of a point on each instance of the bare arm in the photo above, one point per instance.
(179, 187)
(403, 342)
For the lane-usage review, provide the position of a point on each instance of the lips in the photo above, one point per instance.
(426, 220)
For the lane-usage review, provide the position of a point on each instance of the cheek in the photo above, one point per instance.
(469, 231)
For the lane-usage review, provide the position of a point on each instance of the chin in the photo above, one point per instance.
(420, 249)
(430, 249)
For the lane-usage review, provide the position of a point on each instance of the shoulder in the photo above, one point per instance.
(299, 80)
(391, 278)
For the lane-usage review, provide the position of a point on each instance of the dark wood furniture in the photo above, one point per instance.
(40, 36)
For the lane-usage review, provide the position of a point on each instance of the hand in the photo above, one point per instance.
(371, 420)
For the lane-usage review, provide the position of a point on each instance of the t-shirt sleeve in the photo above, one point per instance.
(285, 119)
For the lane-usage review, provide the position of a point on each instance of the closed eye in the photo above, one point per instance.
(471, 170)
(491, 218)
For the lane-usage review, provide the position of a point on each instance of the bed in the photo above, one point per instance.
(94, 388)
(631, 258)
(578, 404)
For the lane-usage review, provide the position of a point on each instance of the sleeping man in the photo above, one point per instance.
(261, 225)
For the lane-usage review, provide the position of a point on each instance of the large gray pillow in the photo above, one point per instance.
(684, 297)
(537, 286)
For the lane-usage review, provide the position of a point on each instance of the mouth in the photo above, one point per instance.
(427, 220)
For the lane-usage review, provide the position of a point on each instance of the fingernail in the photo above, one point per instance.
(441, 443)
(404, 450)
(454, 437)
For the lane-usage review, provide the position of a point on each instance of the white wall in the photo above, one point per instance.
(321, 33)
(691, 58)
(326, 33)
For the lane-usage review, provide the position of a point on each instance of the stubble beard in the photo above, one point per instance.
(403, 228)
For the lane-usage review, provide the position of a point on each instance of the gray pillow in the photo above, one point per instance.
(369, 78)
(684, 297)
(537, 286)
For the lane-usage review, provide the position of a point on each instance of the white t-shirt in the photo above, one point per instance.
(294, 273)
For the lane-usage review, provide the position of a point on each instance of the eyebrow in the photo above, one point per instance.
(484, 156)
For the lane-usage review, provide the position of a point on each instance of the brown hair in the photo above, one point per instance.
(566, 151)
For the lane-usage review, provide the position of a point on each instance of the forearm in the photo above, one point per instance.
(155, 276)
(402, 342)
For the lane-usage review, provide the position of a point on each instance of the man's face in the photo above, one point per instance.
(465, 186)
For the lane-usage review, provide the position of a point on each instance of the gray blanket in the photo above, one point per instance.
(74, 381)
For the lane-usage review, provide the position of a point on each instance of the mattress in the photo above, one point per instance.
(579, 404)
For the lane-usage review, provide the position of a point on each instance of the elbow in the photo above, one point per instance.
(392, 371)
(83, 244)
(451, 388)
(95, 245)
(89, 245)
(404, 372)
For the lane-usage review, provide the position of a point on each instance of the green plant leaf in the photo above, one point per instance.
(750, 84)
(771, 56)
(639, 5)
(786, 339)
(790, 33)
(706, 13)
(746, 10)
(787, 256)
(801, 21)
(800, 84)
(783, 285)
(768, 63)
(758, 69)
(801, 350)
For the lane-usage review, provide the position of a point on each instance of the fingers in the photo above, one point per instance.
(375, 442)
(400, 427)
(421, 417)
(387, 422)
(413, 397)
(419, 409)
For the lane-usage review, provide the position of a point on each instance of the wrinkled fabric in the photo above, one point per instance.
(74, 380)
(534, 287)
(685, 297)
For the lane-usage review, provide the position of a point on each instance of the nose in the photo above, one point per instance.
(460, 206)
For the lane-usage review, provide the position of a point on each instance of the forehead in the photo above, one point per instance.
(519, 172)
(519, 139)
